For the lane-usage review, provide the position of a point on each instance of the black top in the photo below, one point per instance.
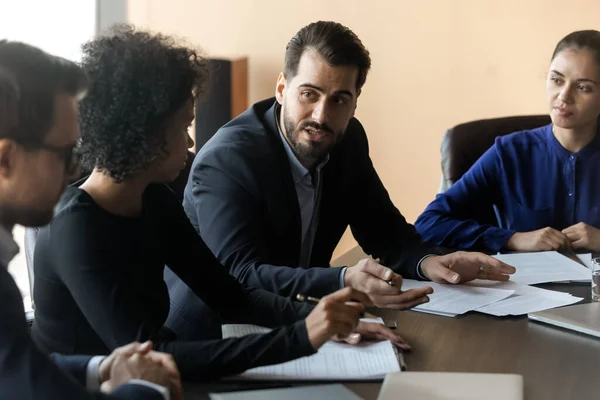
(99, 285)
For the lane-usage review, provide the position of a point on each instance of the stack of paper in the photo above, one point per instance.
(524, 300)
(586, 259)
(452, 300)
(333, 361)
(514, 297)
(543, 267)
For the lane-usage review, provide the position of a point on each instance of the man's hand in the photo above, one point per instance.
(463, 266)
(371, 278)
(544, 239)
(138, 366)
(374, 331)
(583, 236)
(123, 351)
(163, 360)
(336, 314)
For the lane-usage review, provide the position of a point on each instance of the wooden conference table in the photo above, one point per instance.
(555, 363)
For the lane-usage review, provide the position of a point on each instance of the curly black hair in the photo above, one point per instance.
(138, 81)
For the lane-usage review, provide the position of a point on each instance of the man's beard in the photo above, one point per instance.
(313, 152)
(27, 217)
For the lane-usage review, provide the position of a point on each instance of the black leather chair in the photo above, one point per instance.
(178, 186)
(465, 143)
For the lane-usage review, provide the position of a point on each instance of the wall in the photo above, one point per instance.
(436, 63)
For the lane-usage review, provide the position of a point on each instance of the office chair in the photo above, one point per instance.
(463, 144)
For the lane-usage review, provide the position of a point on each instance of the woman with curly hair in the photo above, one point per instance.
(99, 265)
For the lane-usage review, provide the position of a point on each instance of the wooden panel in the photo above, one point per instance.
(239, 86)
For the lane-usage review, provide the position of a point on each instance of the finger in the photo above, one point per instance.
(341, 329)
(382, 332)
(145, 347)
(552, 243)
(571, 229)
(176, 389)
(127, 350)
(407, 299)
(400, 304)
(166, 360)
(573, 236)
(347, 294)
(353, 338)
(443, 274)
(499, 266)
(377, 270)
(580, 244)
(341, 313)
(491, 273)
(379, 287)
(359, 306)
(497, 277)
(477, 258)
(561, 238)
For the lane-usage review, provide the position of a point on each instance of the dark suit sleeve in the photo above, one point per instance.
(75, 365)
(448, 220)
(195, 264)
(28, 374)
(377, 225)
(222, 200)
(120, 315)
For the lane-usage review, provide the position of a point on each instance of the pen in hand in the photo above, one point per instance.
(314, 300)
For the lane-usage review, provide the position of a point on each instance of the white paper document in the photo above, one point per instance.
(586, 259)
(452, 300)
(333, 361)
(524, 300)
(542, 267)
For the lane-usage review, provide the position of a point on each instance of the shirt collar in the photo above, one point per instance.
(299, 171)
(8, 247)
(588, 151)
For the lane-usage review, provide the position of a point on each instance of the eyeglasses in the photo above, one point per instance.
(68, 154)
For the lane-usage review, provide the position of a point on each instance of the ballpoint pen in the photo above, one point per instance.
(315, 300)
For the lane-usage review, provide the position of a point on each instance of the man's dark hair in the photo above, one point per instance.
(139, 81)
(9, 101)
(588, 40)
(334, 43)
(39, 77)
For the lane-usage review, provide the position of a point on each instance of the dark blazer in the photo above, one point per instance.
(242, 199)
(27, 373)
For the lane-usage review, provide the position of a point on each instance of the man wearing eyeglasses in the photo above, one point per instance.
(39, 131)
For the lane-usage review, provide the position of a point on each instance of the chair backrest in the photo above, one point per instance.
(465, 143)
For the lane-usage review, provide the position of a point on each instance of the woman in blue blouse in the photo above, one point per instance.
(545, 182)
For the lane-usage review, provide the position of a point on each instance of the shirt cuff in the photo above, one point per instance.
(161, 389)
(342, 275)
(92, 375)
(419, 271)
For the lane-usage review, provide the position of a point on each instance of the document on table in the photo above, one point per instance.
(333, 361)
(524, 300)
(451, 300)
(586, 259)
(547, 266)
